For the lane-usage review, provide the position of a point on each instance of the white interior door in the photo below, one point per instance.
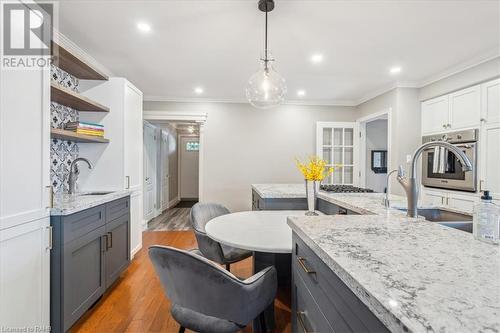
(338, 145)
(189, 167)
(149, 171)
(164, 170)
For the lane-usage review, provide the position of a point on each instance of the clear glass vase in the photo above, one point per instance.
(311, 191)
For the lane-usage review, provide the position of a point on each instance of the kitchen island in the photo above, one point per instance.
(412, 275)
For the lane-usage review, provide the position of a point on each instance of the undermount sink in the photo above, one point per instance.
(447, 218)
(93, 193)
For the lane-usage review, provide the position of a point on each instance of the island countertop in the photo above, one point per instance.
(414, 275)
(66, 204)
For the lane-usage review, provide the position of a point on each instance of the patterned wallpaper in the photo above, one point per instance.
(62, 153)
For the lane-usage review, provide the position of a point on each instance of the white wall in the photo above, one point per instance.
(405, 125)
(244, 145)
(376, 139)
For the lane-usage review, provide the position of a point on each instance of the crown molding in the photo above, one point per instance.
(69, 45)
(150, 98)
(476, 61)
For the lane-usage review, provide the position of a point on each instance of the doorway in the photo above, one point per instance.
(375, 150)
(174, 175)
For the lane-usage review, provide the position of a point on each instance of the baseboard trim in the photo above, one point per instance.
(173, 202)
(135, 250)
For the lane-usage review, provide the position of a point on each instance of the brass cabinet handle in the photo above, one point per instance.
(110, 238)
(303, 265)
(51, 239)
(301, 321)
(104, 239)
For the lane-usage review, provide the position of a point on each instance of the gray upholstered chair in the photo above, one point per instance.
(201, 213)
(205, 297)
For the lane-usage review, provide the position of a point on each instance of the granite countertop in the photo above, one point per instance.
(274, 191)
(66, 204)
(414, 275)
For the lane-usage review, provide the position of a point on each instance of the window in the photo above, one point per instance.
(192, 146)
(336, 144)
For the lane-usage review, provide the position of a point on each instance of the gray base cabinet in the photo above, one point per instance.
(91, 249)
(328, 208)
(321, 302)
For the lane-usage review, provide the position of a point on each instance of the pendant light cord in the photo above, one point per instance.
(265, 49)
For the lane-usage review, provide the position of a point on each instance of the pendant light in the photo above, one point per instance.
(266, 88)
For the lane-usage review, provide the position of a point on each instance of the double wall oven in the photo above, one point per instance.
(449, 174)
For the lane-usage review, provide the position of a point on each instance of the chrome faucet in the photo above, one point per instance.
(74, 172)
(401, 173)
(410, 185)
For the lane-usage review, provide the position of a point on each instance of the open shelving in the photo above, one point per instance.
(75, 65)
(62, 134)
(68, 97)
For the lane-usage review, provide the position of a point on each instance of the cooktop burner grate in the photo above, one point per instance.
(345, 189)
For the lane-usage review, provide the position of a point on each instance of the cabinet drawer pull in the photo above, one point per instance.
(104, 242)
(303, 265)
(301, 321)
(109, 238)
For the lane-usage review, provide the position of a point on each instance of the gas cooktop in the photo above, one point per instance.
(345, 189)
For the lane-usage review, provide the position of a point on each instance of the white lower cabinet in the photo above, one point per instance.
(456, 200)
(24, 276)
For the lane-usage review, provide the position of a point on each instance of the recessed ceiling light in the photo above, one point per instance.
(395, 70)
(301, 93)
(144, 27)
(317, 58)
(198, 90)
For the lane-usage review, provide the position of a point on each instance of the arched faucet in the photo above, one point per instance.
(410, 186)
(73, 173)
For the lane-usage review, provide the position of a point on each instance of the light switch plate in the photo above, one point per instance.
(408, 158)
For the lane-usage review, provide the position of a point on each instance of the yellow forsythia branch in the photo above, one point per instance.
(314, 169)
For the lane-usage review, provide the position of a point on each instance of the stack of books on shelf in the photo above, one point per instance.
(81, 127)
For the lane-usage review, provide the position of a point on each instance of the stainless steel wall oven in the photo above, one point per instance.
(442, 169)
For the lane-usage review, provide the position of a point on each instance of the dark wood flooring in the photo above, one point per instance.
(136, 303)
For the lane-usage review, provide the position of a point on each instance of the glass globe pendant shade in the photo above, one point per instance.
(266, 88)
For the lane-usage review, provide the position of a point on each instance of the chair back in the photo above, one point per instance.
(200, 214)
(193, 282)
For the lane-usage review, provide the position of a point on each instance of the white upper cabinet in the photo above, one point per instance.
(465, 108)
(435, 115)
(454, 111)
(490, 102)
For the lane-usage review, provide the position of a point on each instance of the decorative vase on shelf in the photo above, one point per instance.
(311, 191)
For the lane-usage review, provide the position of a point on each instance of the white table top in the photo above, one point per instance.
(261, 231)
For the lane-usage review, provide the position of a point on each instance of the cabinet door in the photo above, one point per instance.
(465, 107)
(117, 248)
(133, 137)
(462, 202)
(490, 104)
(84, 274)
(24, 275)
(435, 115)
(434, 198)
(135, 223)
(490, 159)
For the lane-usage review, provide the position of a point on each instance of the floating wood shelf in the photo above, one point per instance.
(68, 97)
(75, 65)
(58, 133)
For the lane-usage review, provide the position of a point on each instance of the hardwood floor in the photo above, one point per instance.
(137, 303)
(173, 219)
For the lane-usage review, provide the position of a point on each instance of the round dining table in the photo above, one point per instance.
(268, 235)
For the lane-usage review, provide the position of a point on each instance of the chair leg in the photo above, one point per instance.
(182, 329)
(228, 267)
(263, 326)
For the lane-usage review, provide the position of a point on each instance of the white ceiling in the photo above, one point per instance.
(216, 44)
